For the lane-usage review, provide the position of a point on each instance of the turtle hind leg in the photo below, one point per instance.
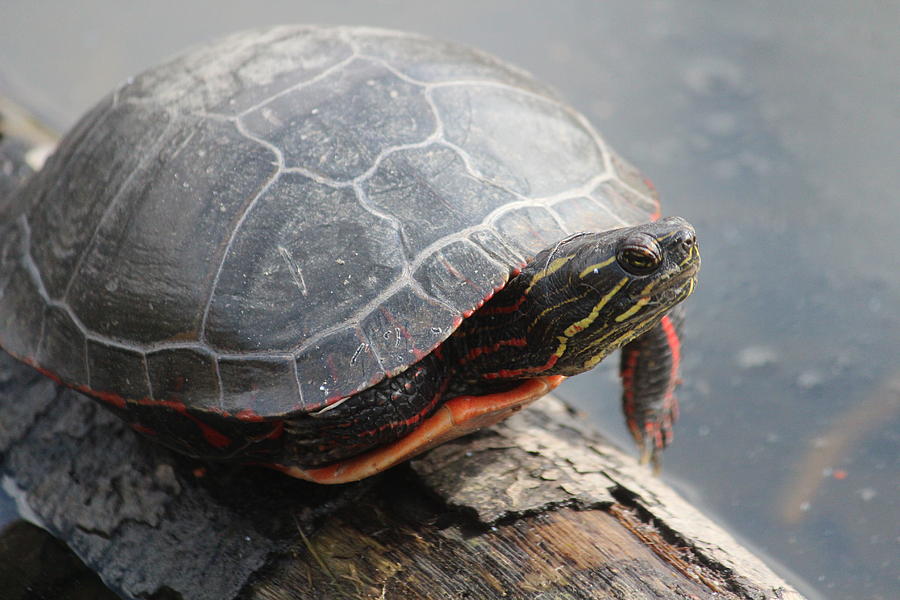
(650, 373)
(373, 417)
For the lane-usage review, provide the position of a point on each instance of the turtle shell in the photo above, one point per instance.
(273, 222)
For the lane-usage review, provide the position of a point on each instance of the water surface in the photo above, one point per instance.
(772, 127)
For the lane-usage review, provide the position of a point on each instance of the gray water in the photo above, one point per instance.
(772, 126)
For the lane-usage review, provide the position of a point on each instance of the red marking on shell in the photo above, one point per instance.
(175, 405)
(332, 369)
(393, 321)
(199, 472)
(50, 374)
(417, 353)
(143, 429)
(108, 397)
(247, 415)
(658, 212)
(457, 321)
(214, 437)
(455, 272)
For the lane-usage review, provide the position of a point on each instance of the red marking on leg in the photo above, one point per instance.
(675, 347)
(627, 374)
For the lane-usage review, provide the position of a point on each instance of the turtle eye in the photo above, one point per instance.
(639, 254)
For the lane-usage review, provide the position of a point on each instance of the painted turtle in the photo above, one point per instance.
(327, 249)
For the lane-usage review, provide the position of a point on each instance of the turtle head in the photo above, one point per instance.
(594, 292)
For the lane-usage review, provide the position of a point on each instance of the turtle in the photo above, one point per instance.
(327, 249)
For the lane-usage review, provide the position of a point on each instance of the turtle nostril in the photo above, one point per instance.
(686, 239)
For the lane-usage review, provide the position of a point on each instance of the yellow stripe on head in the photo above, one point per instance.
(596, 267)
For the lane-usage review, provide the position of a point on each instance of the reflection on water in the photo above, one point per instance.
(830, 448)
(772, 127)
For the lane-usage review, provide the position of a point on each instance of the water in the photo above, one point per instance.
(773, 128)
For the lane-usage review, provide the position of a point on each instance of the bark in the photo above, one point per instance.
(537, 507)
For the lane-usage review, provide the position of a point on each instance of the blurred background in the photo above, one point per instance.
(772, 126)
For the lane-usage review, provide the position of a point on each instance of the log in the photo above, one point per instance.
(539, 506)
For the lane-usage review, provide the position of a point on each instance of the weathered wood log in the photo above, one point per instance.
(537, 507)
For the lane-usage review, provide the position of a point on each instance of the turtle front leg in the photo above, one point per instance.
(650, 373)
(376, 416)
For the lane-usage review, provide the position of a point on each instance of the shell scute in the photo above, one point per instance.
(258, 386)
(116, 368)
(338, 125)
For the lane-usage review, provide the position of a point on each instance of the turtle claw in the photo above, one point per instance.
(651, 455)
(653, 432)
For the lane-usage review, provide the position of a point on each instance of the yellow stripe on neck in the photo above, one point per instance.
(549, 270)
(586, 322)
(643, 300)
(621, 340)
